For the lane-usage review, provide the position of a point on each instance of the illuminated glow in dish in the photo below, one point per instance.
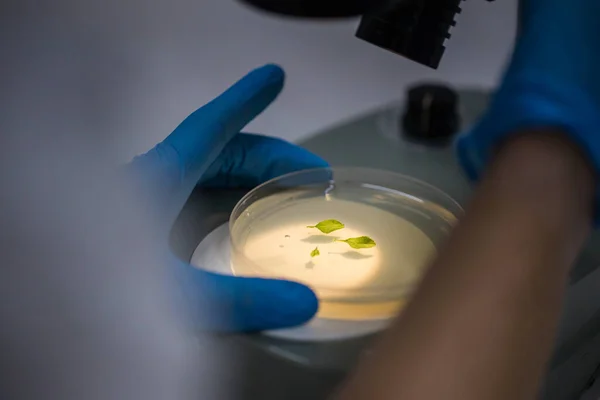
(271, 237)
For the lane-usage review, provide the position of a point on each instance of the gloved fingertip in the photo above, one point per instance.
(264, 82)
(271, 71)
(316, 170)
(279, 157)
(274, 304)
(301, 299)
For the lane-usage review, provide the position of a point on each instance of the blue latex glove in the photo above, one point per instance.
(552, 81)
(208, 148)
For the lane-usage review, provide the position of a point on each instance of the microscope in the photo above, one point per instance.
(412, 137)
(415, 29)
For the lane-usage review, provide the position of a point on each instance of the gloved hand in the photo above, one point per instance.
(552, 81)
(208, 149)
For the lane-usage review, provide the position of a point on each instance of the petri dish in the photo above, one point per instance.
(273, 235)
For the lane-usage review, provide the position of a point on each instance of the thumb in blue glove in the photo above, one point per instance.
(208, 149)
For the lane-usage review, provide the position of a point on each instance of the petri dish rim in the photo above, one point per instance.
(449, 204)
(398, 175)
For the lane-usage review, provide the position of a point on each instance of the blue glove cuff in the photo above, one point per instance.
(526, 102)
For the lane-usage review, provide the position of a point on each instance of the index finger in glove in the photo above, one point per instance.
(176, 165)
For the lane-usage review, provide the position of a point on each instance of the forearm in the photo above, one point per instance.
(483, 322)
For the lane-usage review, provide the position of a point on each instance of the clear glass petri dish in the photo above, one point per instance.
(272, 235)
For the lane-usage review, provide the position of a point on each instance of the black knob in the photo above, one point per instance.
(431, 115)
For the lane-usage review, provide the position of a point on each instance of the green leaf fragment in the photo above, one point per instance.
(362, 242)
(328, 226)
(315, 252)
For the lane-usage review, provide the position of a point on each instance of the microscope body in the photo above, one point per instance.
(415, 29)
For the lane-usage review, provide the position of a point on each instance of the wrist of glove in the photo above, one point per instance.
(551, 82)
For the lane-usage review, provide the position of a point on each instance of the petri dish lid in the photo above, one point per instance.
(273, 234)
